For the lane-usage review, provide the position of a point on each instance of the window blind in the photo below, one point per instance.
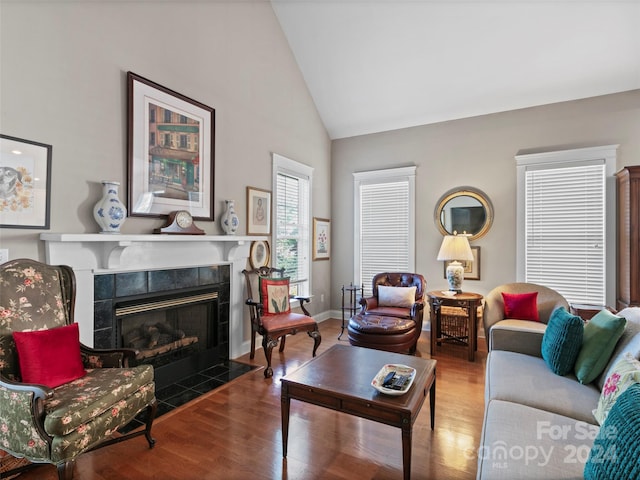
(292, 229)
(565, 230)
(384, 229)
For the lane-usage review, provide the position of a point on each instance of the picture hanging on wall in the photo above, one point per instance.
(259, 254)
(321, 239)
(171, 145)
(25, 183)
(471, 267)
(258, 211)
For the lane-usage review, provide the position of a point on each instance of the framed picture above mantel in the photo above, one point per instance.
(258, 211)
(171, 151)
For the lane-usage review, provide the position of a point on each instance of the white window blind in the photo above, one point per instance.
(385, 230)
(565, 230)
(292, 220)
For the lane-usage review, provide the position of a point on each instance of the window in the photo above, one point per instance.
(292, 213)
(384, 223)
(566, 212)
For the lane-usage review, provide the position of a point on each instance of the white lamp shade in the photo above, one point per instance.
(455, 247)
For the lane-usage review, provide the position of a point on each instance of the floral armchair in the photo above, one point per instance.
(40, 420)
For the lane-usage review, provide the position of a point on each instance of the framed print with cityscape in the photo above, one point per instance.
(171, 145)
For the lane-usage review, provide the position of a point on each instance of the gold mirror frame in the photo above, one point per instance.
(461, 192)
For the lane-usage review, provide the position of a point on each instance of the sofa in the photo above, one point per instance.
(539, 424)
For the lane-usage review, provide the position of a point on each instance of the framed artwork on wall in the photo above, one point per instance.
(258, 211)
(25, 183)
(259, 254)
(471, 267)
(321, 239)
(171, 150)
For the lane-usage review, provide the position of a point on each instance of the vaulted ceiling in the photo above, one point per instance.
(377, 65)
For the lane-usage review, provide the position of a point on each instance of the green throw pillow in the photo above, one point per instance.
(616, 449)
(562, 341)
(601, 334)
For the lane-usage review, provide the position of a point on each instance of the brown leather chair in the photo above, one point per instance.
(385, 325)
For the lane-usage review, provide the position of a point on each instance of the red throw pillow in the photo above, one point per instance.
(523, 306)
(50, 357)
(274, 295)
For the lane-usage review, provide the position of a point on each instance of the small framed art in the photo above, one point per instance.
(258, 211)
(25, 183)
(321, 238)
(471, 267)
(259, 254)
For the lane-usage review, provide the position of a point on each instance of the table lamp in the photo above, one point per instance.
(455, 247)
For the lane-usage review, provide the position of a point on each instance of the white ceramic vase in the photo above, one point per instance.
(110, 213)
(229, 219)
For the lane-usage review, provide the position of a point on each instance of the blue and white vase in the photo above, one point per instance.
(110, 213)
(229, 220)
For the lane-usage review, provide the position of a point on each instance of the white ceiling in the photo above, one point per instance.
(377, 65)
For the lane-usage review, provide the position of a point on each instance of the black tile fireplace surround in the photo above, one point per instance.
(189, 305)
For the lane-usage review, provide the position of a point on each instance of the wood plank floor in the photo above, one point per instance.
(234, 431)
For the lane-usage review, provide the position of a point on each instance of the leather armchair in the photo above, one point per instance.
(370, 305)
(391, 328)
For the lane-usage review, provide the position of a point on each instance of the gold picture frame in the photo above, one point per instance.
(259, 254)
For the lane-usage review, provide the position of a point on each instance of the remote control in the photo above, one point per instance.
(388, 380)
(399, 381)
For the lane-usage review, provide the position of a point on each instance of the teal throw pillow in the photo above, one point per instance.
(616, 449)
(562, 341)
(601, 334)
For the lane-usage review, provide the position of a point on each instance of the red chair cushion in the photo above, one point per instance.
(286, 320)
(50, 357)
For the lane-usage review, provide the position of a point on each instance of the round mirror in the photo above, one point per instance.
(464, 210)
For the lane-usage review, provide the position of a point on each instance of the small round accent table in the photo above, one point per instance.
(463, 307)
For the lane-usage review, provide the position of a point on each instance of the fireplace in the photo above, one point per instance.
(176, 319)
(103, 257)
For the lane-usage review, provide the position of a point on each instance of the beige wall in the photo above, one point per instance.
(478, 152)
(63, 82)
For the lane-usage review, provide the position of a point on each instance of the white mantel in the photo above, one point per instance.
(92, 254)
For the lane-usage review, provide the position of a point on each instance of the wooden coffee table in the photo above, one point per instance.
(340, 379)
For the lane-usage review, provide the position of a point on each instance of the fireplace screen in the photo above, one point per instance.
(165, 330)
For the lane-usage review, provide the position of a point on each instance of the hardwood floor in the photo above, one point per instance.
(234, 431)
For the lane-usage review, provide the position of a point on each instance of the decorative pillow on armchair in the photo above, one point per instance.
(522, 306)
(274, 295)
(396, 296)
(50, 357)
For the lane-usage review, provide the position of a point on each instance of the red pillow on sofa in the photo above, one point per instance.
(523, 306)
(50, 357)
